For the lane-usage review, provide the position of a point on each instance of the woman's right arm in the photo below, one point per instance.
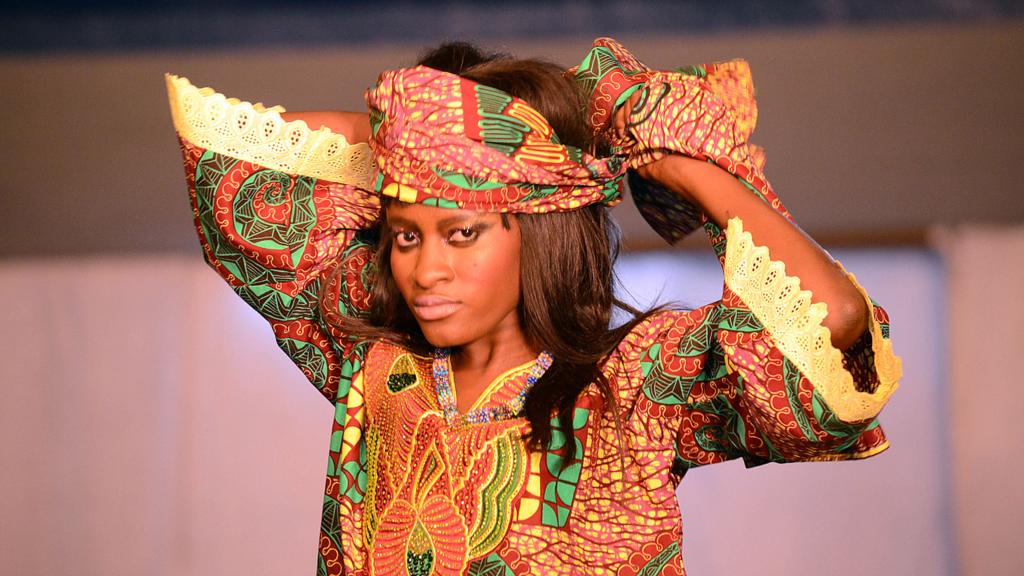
(354, 126)
(278, 207)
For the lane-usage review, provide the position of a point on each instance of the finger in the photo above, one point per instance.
(633, 99)
(623, 112)
(619, 122)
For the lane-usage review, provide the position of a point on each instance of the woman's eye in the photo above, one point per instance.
(463, 235)
(405, 239)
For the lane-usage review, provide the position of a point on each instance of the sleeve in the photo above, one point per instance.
(754, 375)
(762, 380)
(283, 216)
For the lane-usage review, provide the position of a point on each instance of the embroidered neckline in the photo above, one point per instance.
(510, 409)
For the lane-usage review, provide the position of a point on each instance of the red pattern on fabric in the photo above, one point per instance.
(442, 137)
(713, 391)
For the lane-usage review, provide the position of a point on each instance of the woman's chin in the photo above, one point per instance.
(440, 338)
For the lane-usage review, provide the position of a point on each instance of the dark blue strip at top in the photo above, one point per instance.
(119, 24)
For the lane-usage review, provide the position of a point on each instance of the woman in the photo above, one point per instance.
(488, 419)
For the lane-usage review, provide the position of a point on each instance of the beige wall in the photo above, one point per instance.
(871, 133)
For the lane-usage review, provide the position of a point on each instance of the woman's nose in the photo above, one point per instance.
(432, 266)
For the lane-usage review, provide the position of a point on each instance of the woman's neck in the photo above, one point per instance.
(477, 364)
(498, 351)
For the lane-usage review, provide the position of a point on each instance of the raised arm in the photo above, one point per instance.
(279, 208)
(794, 362)
(354, 126)
(721, 197)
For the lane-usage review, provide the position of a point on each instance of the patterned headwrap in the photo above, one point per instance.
(706, 112)
(444, 140)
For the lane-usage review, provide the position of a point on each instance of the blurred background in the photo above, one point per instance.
(150, 426)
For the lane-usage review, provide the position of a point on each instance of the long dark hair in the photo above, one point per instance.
(567, 273)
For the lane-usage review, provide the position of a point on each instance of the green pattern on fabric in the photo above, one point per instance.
(377, 118)
(693, 70)
(500, 131)
(403, 375)
(498, 495)
(594, 67)
(352, 476)
(349, 368)
(830, 422)
(356, 490)
(649, 359)
(329, 525)
(660, 560)
(210, 173)
(274, 189)
(421, 564)
(561, 491)
(468, 182)
(660, 386)
(728, 435)
(309, 358)
(739, 320)
(884, 326)
(791, 375)
(276, 305)
(537, 191)
(440, 203)
(492, 565)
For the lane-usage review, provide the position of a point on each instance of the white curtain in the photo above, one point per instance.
(150, 426)
(986, 355)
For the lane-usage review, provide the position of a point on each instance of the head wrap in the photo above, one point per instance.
(706, 111)
(445, 140)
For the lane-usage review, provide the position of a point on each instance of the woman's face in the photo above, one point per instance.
(457, 270)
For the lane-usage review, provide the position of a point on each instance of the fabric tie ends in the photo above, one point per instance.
(440, 139)
(443, 140)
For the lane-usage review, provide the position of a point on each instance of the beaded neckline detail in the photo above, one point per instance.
(511, 409)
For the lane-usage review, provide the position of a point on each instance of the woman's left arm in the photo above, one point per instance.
(721, 197)
(794, 362)
(787, 390)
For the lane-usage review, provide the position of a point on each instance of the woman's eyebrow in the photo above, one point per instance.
(394, 220)
(457, 219)
(399, 221)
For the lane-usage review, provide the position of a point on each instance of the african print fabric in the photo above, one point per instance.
(751, 376)
(443, 140)
(707, 112)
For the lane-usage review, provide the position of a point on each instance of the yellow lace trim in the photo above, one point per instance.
(794, 322)
(257, 134)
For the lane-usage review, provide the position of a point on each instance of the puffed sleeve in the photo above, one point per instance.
(282, 214)
(755, 374)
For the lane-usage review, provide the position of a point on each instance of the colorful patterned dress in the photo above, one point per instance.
(751, 376)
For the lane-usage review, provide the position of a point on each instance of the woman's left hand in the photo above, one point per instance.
(668, 170)
(620, 119)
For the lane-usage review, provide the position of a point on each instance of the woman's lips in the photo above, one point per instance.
(431, 308)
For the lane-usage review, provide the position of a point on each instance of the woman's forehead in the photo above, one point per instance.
(422, 214)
